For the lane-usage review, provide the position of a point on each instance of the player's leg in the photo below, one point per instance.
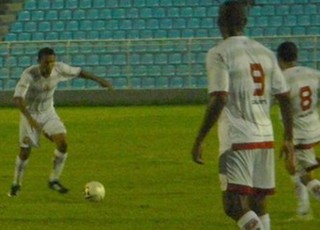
(259, 206)
(56, 132)
(28, 137)
(236, 187)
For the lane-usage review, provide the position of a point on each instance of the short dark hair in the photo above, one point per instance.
(287, 51)
(233, 14)
(44, 52)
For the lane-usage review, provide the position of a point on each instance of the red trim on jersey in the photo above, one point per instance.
(257, 145)
(304, 146)
(247, 190)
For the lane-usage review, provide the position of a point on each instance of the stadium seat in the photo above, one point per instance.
(30, 5)
(99, 4)
(24, 36)
(173, 12)
(176, 82)
(72, 4)
(85, 4)
(160, 34)
(200, 11)
(304, 20)
(52, 35)
(298, 30)
(30, 26)
(10, 61)
(162, 82)
(17, 27)
(159, 12)
(193, 23)
(139, 3)
(86, 25)
(92, 14)
(186, 12)
(78, 83)
(44, 26)
(146, 13)
(65, 35)
(57, 4)
(179, 23)
(148, 82)
(166, 23)
(72, 25)
(24, 15)
(78, 59)
(57, 25)
(51, 15)
(132, 13)
(146, 59)
(44, 5)
(38, 36)
(65, 15)
(24, 61)
(79, 14)
(92, 60)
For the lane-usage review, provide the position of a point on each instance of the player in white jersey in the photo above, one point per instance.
(242, 77)
(34, 98)
(304, 83)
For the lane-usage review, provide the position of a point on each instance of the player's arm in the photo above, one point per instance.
(90, 76)
(20, 103)
(217, 101)
(287, 120)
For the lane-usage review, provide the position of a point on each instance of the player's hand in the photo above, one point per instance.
(105, 84)
(287, 152)
(34, 124)
(197, 153)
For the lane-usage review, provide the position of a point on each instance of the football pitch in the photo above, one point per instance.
(142, 156)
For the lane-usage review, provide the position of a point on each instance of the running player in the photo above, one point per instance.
(242, 77)
(34, 98)
(304, 84)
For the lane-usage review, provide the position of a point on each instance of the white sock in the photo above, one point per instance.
(250, 221)
(265, 220)
(314, 188)
(58, 164)
(19, 170)
(302, 194)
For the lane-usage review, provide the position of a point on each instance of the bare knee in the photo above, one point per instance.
(24, 153)
(61, 142)
(235, 205)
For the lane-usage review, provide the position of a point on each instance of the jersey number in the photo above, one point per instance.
(258, 79)
(305, 96)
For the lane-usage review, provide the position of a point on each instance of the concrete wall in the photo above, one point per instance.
(120, 97)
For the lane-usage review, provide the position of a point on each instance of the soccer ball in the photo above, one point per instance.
(94, 191)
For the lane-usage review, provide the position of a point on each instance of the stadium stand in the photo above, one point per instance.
(138, 43)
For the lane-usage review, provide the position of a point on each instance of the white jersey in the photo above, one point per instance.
(304, 83)
(38, 91)
(249, 73)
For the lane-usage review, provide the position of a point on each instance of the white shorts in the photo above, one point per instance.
(49, 122)
(247, 172)
(306, 160)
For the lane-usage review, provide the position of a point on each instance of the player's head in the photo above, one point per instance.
(232, 18)
(46, 60)
(287, 52)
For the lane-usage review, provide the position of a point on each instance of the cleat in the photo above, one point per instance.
(55, 185)
(14, 190)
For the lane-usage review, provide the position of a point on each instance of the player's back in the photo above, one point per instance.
(252, 76)
(304, 84)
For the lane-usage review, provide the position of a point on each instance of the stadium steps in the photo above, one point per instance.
(8, 14)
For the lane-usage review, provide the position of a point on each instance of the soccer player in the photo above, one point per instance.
(304, 84)
(34, 98)
(242, 77)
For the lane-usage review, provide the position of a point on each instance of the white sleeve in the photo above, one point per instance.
(217, 71)
(22, 85)
(66, 71)
(279, 84)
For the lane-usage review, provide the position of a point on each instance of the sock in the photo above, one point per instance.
(19, 170)
(302, 194)
(250, 221)
(265, 220)
(58, 164)
(314, 188)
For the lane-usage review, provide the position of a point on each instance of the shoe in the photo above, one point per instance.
(55, 185)
(14, 190)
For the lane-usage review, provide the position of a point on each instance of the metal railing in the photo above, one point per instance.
(136, 64)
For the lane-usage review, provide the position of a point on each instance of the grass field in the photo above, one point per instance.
(142, 156)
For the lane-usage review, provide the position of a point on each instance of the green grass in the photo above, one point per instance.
(142, 156)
